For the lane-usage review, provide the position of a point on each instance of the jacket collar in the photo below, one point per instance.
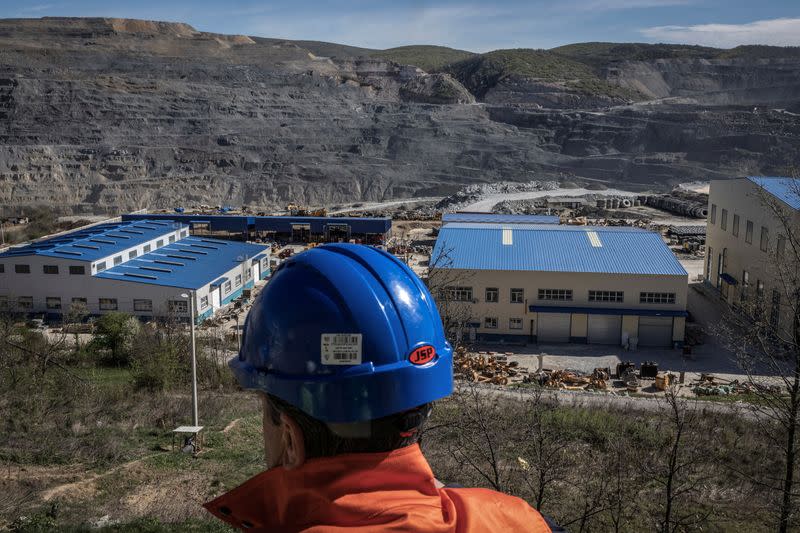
(341, 490)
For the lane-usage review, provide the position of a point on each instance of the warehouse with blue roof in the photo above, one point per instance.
(547, 283)
(141, 267)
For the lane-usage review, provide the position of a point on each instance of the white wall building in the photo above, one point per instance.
(550, 284)
(139, 267)
(746, 242)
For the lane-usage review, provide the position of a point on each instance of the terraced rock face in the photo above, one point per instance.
(109, 115)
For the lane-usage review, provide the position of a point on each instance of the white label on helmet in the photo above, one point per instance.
(341, 348)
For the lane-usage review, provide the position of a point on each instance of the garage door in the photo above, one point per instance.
(553, 327)
(655, 331)
(605, 329)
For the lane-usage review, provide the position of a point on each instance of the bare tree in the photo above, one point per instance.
(676, 468)
(479, 441)
(449, 288)
(546, 459)
(764, 332)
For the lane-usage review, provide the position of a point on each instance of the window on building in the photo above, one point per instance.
(25, 303)
(53, 302)
(775, 311)
(132, 254)
(555, 294)
(77, 270)
(142, 305)
(490, 322)
(237, 280)
(178, 306)
(735, 228)
(723, 221)
(80, 301)
(184, 233)
(748, 232)
(50, 269)
(780, 247)
(458, 294)
(710, 262)
(22, 269)
(203, 302)
(248, 273)
(514, 323)
(713, 213)
(517, 296)
(606, 296)
(227, 287)
(146, 248)
(656, 297)
(492, 295)
(2, 268)
(171, 239)
(118, 260)
(764, 244)
(100, 266)
(108, 304)
(159, 243)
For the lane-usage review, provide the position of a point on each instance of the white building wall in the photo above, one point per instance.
(579, 283)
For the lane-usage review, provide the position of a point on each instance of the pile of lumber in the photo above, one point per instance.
(484, 367)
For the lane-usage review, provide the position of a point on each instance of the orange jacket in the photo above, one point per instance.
(369, 492)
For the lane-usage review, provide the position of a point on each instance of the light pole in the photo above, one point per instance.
(238, 339)
(190, 296)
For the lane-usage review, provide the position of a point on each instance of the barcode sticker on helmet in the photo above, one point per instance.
(341, 348)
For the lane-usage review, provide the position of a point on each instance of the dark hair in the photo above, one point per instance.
(383, 434)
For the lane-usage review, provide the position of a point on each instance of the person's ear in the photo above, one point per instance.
(294, 448)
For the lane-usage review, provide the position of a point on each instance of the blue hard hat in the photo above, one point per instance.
(346, 333)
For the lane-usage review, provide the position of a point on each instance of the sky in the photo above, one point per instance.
(474, 26)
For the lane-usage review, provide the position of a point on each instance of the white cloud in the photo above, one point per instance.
(37, 8)
(777, 32)
(610, 5)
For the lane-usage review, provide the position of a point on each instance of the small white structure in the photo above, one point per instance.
(139, 267)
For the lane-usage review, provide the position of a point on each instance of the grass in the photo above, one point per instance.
(481, 73)
(426, 57)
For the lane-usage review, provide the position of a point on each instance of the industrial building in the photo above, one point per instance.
(496, 218)
(281, 229)
(746, 242)
(551, 284)
(140, 267)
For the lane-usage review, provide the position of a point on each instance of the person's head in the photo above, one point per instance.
(291, 436)
(346, 347)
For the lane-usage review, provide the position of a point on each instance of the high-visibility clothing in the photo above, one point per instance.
(369, 492)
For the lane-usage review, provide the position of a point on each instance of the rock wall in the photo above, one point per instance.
(102, 115)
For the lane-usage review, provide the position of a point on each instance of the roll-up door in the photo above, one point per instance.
(604, 329)
(655, 331)
(553, 327)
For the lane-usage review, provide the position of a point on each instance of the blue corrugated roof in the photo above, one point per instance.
(499, 219)
(550, 248)
(785, 189)
(189, 263)
(98, 241)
